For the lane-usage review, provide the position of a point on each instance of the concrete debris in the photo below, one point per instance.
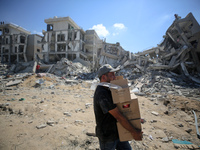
(68, 68)
(22, 67)
(51, 123)
(155, 113)
(67, 114)
(164, 82)
(178, 54)
(68, 109)
(165, 139)
(180, 50)
(41, 126)
(15, 82)
(40, 81)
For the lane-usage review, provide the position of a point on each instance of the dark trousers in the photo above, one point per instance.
(115, 145)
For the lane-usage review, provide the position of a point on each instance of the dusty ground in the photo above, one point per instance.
(59, 116)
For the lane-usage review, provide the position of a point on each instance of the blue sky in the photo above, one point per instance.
(137, 25)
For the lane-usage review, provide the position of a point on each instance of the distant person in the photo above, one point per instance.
(38, 68)
(107, 114)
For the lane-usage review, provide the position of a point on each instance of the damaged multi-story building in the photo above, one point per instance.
(179, 51)
(17, 44)
(62, 39)
(65, 39)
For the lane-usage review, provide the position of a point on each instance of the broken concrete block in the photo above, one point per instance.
(154, 113)
(15, 82)
(41, 126)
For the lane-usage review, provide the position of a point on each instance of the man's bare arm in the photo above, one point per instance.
(125, 123)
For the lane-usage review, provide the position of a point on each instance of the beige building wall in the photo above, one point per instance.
(93, 44)
(33, 47)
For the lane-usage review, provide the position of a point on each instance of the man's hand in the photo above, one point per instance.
(137, 135)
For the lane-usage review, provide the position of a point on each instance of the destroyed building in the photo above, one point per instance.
(17, 44)
(93, 47)
(113, 54)
(178, 52)
(65, 39)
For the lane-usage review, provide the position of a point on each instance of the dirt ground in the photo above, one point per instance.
(56, 116)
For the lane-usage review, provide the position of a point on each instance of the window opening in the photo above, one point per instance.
(21, 48)
(22, 39)
(49, 27)
(6, 30)
(15, 49)
(6, 40)
(61, 37)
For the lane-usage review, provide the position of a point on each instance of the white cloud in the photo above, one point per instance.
(119, 26)
(101, 30)
(35, 32)
(115, 34)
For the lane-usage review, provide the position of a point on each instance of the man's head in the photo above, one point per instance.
(106, 73)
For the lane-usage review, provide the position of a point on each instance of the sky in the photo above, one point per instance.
(137, 25)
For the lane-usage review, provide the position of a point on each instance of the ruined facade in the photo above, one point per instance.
(18, 44)
(13, 43)
(63, 38)
(113, 54)
(93, 47)
(33, 46)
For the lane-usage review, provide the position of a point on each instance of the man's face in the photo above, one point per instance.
(109, 77)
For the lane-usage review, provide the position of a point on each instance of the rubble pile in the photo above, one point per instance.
(166, 83)
(3, 69)
(64, 67)
(21, 67)
(179, 52)
(62, 116)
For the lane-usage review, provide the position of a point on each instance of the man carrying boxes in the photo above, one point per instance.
(114, 108)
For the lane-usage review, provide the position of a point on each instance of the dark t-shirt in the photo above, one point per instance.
(106, 128)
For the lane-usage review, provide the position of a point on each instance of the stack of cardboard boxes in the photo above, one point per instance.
(128, 105)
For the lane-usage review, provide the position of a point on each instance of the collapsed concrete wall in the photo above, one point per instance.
(113, 54)
(179, 52)
(64, 67)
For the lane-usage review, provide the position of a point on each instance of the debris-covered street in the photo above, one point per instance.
(52, 112)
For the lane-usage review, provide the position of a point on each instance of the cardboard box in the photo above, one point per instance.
(128, 105)
(130, 109)
(120, 96)
(125, 135)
